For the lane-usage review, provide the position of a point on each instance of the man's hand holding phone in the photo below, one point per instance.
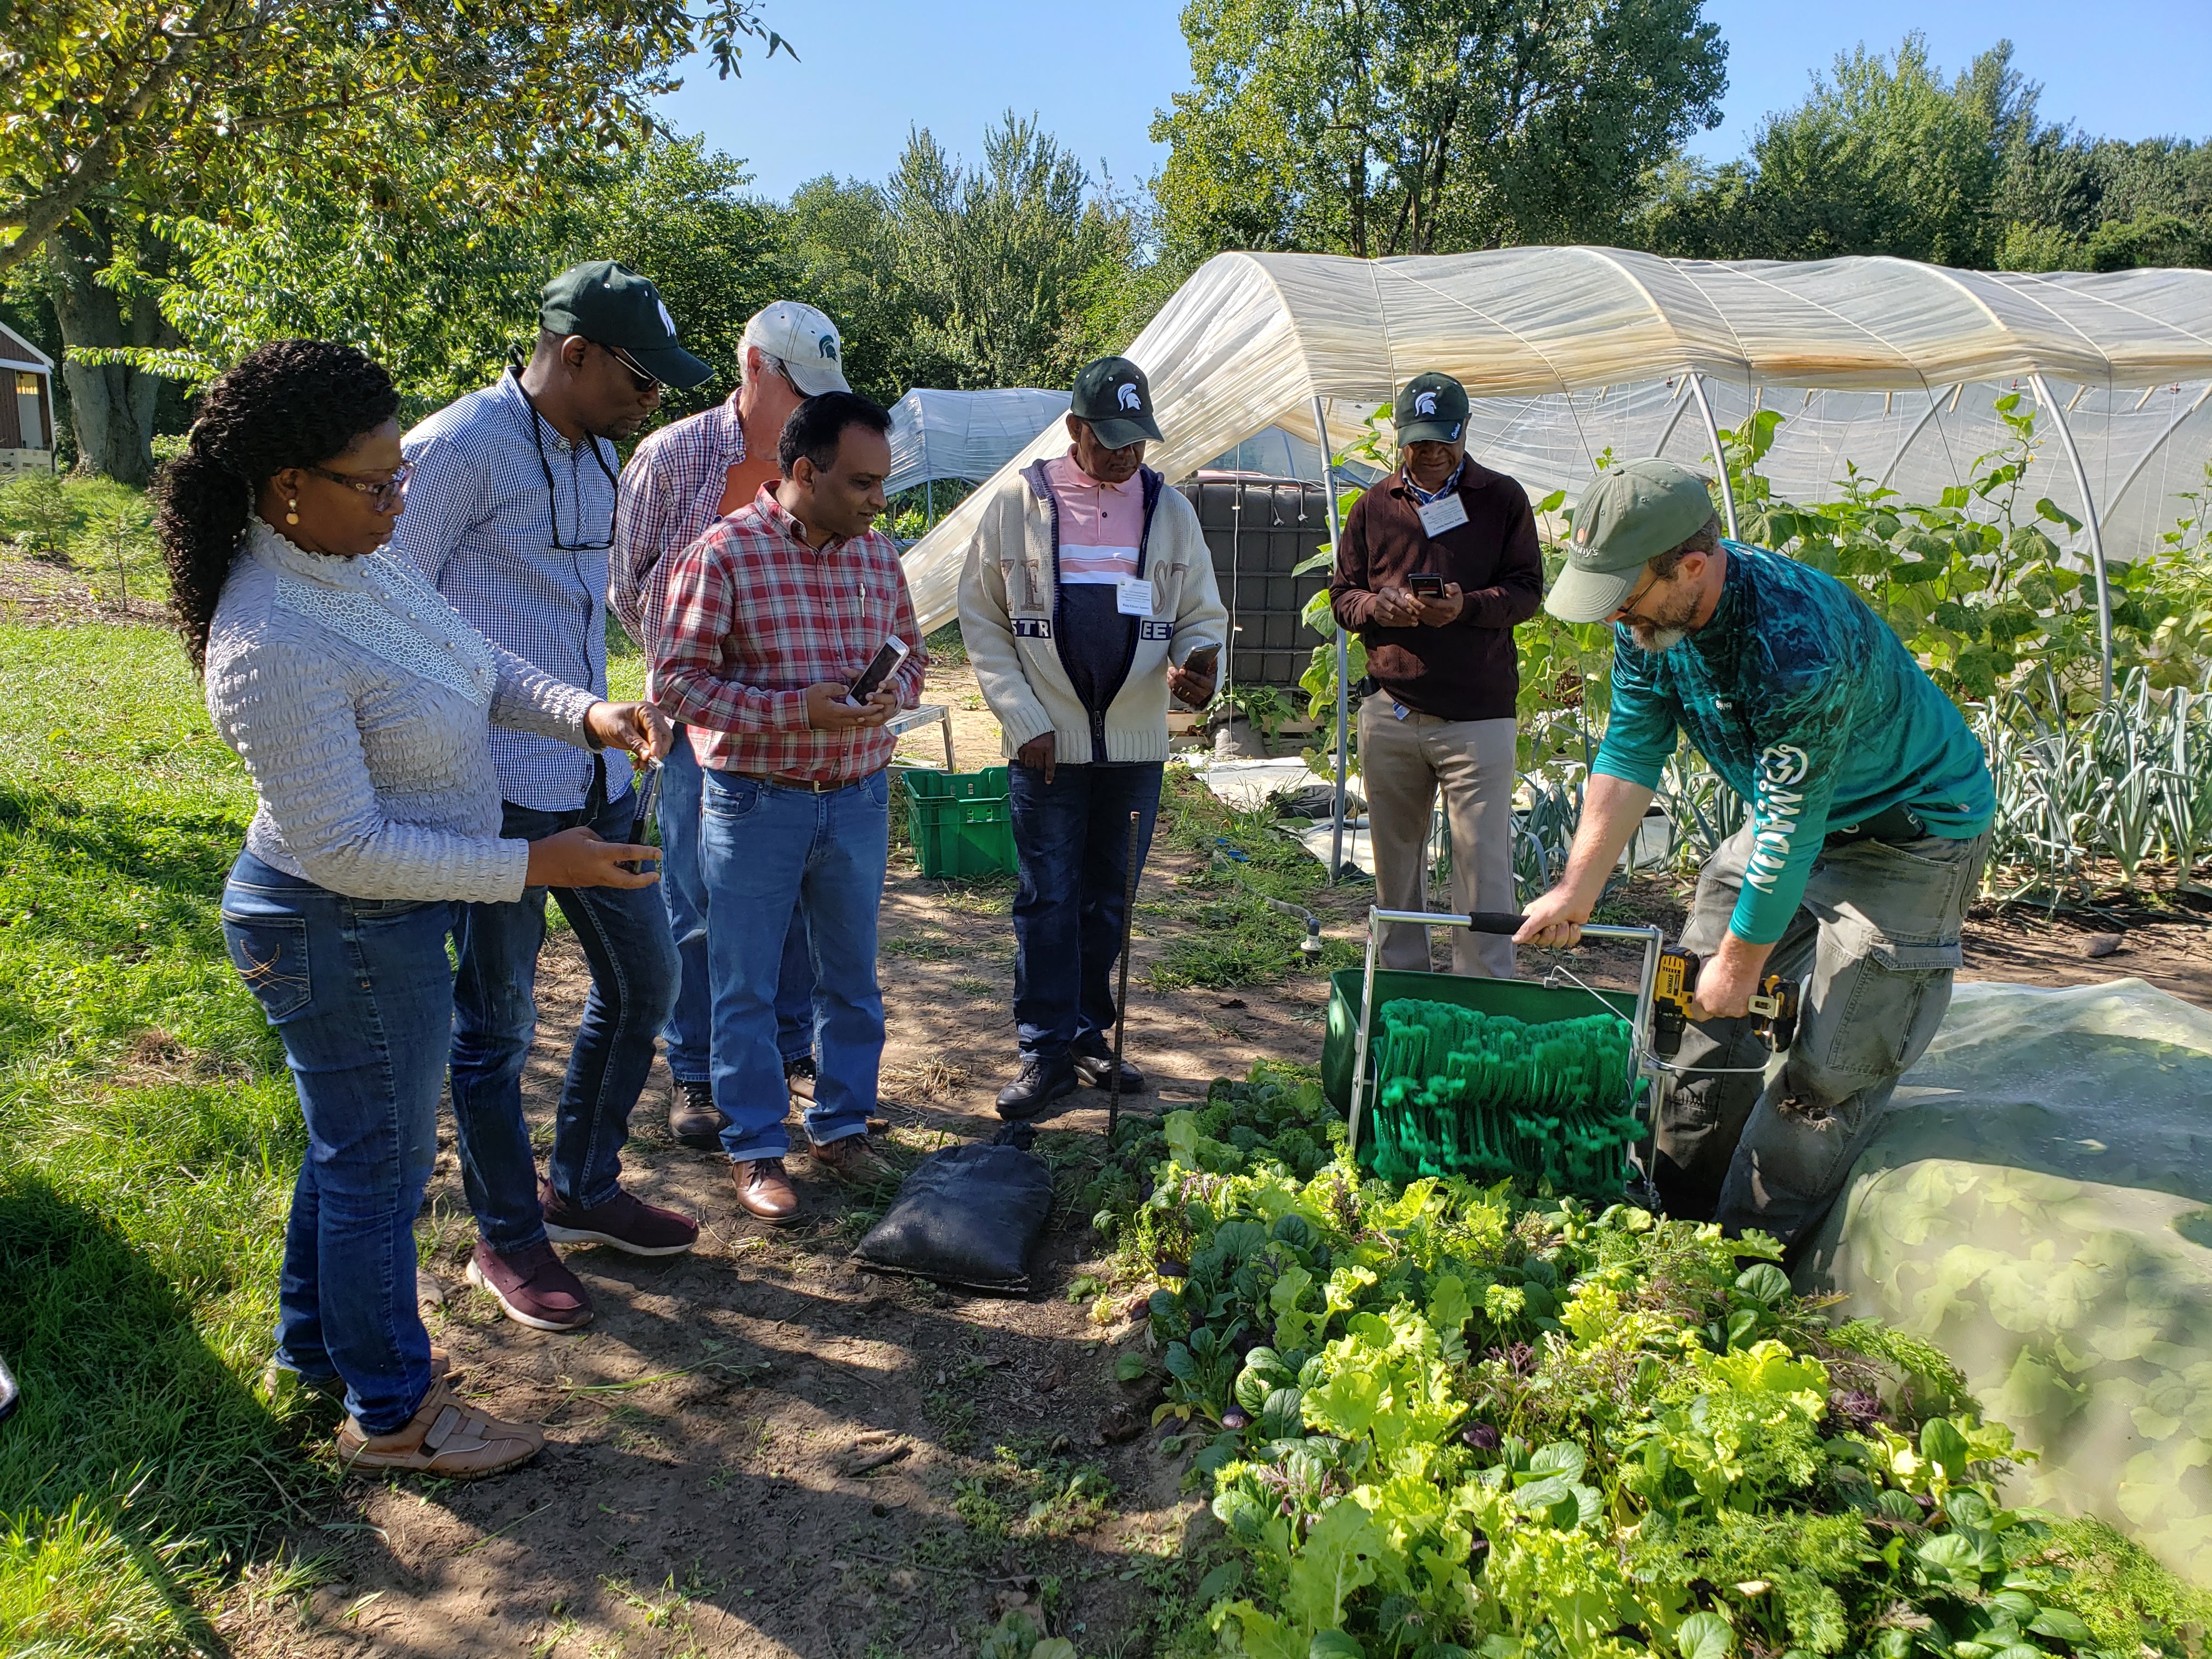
(1195, 682)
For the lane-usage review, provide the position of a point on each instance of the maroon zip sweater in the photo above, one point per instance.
(1467, 670)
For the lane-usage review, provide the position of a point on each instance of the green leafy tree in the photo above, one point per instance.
(1386, 126)
(120, 118)
(998, 259)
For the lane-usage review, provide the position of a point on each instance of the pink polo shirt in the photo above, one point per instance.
(1099, 523)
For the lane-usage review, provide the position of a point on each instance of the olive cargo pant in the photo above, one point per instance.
(1876, 942)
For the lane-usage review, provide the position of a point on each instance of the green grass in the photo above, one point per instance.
(148, 1138)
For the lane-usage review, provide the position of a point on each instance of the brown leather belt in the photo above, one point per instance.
(812, 785)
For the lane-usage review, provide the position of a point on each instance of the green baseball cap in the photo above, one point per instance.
(1431, 410)
(610, 305)
(1632, 514)
(1115, 399)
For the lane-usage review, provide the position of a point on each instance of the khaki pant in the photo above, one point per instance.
(1876, 944)
(1403, 765)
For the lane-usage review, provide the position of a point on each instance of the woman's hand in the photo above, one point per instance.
(637, 726)
(577, 858)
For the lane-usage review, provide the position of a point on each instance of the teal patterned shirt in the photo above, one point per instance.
(1808, 707)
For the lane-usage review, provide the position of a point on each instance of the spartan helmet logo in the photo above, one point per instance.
(1128, 397)
(828, 346)
(1424, 402)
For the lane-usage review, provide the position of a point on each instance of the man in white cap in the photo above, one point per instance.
(1869, 806)
(682, 479)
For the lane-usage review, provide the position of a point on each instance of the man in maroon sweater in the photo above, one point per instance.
(1436, 566)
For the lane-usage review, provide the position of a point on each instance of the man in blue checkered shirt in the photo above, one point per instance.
(510, 511)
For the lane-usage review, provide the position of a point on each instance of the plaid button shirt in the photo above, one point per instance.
(479, 526)
(671, 490)
(751, 615)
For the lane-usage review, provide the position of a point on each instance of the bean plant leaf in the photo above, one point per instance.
(1703, 1636)
(1764, 1283)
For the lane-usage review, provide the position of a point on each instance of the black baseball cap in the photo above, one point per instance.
(1432, 409)
(610, 305)
(1113, 396)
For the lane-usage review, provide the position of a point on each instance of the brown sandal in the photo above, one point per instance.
(445, 1438)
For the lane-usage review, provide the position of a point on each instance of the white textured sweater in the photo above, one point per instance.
(1009, 607)
(363, 705)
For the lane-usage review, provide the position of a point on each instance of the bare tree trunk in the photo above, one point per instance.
(110, 406)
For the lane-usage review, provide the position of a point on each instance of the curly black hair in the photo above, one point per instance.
(293, 402)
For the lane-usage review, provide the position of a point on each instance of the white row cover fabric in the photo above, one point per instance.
(1543, 337)
(964, 434)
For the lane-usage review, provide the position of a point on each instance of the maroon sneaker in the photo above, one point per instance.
(624, 1222)
(533, 1285)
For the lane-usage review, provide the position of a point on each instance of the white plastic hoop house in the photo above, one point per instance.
(1568, 352)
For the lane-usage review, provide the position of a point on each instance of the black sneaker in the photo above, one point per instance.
(1042, 1082)
(1097, 1070)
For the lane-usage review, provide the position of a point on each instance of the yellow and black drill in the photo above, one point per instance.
(1775, 1007)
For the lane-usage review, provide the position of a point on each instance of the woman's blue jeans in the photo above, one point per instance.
(361, 993)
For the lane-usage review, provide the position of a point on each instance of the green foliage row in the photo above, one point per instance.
(1443, 1421)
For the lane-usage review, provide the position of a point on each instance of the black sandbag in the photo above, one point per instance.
(967, 1216)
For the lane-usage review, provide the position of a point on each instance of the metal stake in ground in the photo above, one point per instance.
(1121, 1001)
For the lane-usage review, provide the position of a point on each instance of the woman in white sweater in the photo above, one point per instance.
(361, 705)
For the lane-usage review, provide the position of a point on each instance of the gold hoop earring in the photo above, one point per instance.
(292, 510)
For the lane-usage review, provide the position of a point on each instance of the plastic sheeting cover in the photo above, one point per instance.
(1251, 339)
(964, 434)
(2035, 1202)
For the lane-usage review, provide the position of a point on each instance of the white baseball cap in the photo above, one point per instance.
(806, 341)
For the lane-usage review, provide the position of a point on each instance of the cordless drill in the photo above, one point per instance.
(1775, 1007)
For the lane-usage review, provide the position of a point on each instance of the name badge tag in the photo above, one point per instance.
(1133, 595)
(1445, 513)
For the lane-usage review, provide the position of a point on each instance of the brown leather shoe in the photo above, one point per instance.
(798, 1078)
(445, 1438)
(693, 1118)
(850, 1159)
(764, 1190)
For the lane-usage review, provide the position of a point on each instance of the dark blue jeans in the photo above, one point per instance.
(624, 934)
(360, 993)
(1073, 837)
(690, 1031)
(767, 851)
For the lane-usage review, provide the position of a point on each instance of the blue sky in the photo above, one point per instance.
(868, 69)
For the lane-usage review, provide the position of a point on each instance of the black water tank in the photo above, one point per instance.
(1259, 530)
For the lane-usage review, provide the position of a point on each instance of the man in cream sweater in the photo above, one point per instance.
(1087, 597)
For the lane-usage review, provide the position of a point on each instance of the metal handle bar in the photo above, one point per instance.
(1495, 921)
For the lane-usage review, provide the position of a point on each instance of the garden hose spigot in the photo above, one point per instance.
(1775, 1006)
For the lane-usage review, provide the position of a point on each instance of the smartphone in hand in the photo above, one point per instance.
(888, 657)
(1201, 661)
(1425, 585)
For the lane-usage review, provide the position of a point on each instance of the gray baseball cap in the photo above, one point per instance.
(1633, 513)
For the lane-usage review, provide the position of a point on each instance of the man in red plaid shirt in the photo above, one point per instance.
(767, 620)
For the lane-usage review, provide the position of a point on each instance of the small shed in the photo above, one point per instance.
(26, 406)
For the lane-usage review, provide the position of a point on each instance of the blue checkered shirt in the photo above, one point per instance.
(480, 524)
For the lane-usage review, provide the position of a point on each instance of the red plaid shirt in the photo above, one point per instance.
(751, 615)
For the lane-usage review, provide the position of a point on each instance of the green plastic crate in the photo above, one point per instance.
(961, 822)
(1527, 1000)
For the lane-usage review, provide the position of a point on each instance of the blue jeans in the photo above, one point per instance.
(624, 934)
(360, 993)
(767, 850)
(690, 1026)
(1073, 838)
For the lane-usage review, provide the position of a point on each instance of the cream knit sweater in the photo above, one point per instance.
(363, 705)
(1009, 591)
